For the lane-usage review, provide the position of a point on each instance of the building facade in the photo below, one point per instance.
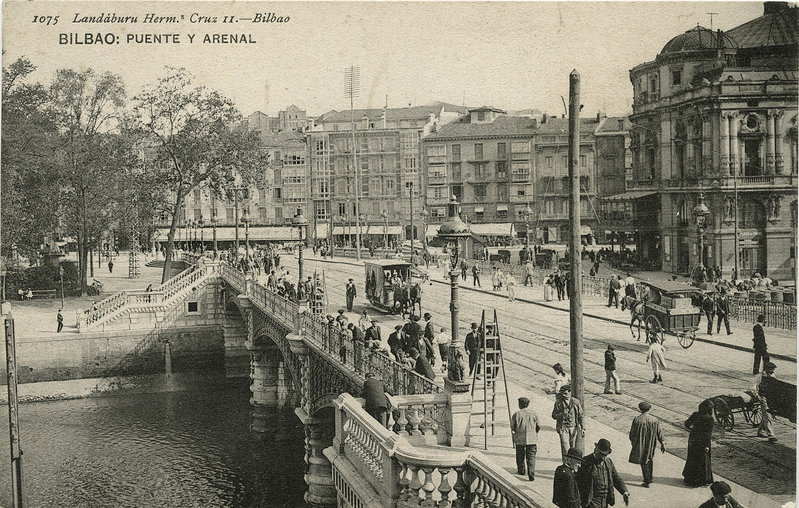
(715, 115)
(484, 159)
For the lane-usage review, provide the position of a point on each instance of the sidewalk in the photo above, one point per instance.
(668, 490)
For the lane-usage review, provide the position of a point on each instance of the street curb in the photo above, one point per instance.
(595, 316)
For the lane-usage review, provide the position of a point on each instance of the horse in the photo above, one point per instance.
(636, 312)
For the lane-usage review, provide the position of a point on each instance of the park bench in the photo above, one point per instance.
(44, 293)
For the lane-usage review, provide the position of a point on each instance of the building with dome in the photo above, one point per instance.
(716, 113)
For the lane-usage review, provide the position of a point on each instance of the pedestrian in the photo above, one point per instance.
(629, 286)
(721, 497)
(723, 311)
(559, 285)
(610, 371)
(475, 275)
(613, 291)
(428, 338)
(442, 341)
(376, 402)
(759, 343)
(494, 278)
(645, 433)
(656, 354)
(464, 268)
(524, 429)
(698, 470)
(561, 379)
(765, 391)
(60, 319)
(510, 284)
(351, 293)
(568, 413)
(365, 321)
(597, 477)
(709, 309)
(472, 346)
(373, 336)
(565, 492)
(110, 266)
(395, 343)
(529, 271)
(549, 288)
(421, 365)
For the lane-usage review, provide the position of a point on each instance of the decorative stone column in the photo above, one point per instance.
(264, 387)
(734, 162)
(779, 163)
(724, 144)
(770, 142)
(459, 408)
(318, 470)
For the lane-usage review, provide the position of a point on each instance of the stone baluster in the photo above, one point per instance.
(415, 486)
(428, 487)
(405, 486)
(725, 143)
(413, 420)
(770, 142)
(461, 489)
(390, 422)
(444, 488)
(403, 422)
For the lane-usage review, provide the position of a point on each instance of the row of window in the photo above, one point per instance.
(518, 150)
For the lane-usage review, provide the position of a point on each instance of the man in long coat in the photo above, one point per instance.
(597, 478)
(565, 493)
(645, 433)
(376, 403)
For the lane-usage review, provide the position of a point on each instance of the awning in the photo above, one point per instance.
(373, 230)
(502, 208)
(479, 209)
(226, 234)
(628, 196)
(493, 229)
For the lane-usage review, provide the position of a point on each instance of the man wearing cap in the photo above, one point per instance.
(569, 417)
(765, 392)
(373, 336)
(565, 493)
(524, 430)
(721, 497)
(597, 478)
(610, 371)
(759, 343)
(644, 434)
(351, 293)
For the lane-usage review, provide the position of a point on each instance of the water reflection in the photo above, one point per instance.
(188, 448)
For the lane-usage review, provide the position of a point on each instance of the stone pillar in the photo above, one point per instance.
(770, 142)
(689, 149)
(264, 387)
(318, 470)
(707, 143)
(724, 144)
(459, 408)
(779, 163)
(734, 162)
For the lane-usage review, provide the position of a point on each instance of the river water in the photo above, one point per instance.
(186, 448)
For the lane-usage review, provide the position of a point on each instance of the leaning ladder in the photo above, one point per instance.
(494, 380)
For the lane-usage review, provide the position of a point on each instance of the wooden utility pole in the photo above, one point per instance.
(13, 414)
(575, 298)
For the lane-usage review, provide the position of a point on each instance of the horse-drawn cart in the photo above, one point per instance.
(668, 308)
(388, 284)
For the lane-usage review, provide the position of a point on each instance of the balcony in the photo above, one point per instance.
(436, 179)
(437, 201)
(519, 199)
(520, 177)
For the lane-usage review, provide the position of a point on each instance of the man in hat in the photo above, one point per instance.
(472, 346)
(610, 371)
(722, 311)
(765, 392)
(421, 365)
(373, 336)
(721, 497)
(569, 417)
(429, 337)
(759, 343)
(351, 293)
(395, 343)
(565, 493)
(597, 477)
(376, 403)
(524, 431)
(644, 434)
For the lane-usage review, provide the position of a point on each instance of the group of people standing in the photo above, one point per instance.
(558, 283)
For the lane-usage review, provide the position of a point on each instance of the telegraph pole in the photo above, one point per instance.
(13, 415)
(575, 298)
(410, 199)
(353, 80)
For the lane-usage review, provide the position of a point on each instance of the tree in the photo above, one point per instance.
(86, 107)
(194, 142)
(29, 208)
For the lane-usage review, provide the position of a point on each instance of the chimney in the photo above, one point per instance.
(544, 118)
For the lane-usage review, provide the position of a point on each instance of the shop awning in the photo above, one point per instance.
(372, 230)
(493, 229)
(502, 208)
(628, 196)
(226, 234)
(479, 209)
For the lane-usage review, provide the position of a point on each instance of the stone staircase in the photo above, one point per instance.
(155, 303)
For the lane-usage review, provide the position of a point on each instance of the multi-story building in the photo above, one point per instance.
(387, 159)
(551, 177)
(291, 119)
(714, 114)
(290, 183)
(485, 160)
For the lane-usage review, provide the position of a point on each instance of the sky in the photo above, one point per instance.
(511, 55)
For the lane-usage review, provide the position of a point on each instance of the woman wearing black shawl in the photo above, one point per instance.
(698, 470)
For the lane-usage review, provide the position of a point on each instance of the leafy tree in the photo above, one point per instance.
(86, 106)
(29, 208)
(193, 142)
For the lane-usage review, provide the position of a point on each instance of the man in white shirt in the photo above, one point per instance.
(629, 286)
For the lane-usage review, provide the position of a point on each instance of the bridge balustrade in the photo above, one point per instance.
(404, 475)
(419, 415)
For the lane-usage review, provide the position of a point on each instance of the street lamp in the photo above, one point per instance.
(246, 221)
(214, 220)
(528, 212)
(300, 222)
(385, 229)
(701, 212)
(186, 239)
(361, 220)
(201, 223)
(452, 232)
(425, 214)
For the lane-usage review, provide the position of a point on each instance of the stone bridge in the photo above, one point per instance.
(297, 359)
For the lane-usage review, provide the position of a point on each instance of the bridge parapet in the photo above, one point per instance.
(420, 418)
(374, 467)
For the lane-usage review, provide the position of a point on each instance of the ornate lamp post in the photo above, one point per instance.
(214, 220)
(246, 221)
(300, 222)
(425, 214)
(384, 215)
(701, 212)
(452, 232)
(186, 239)
(201, 223)
(361, 221)
(528, 212)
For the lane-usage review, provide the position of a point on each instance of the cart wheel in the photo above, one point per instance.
(653, 328)
(754, 414)
(723, 414)
(686, 340)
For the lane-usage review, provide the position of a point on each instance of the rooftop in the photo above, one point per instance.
(392, 114)
(501, 126)
(777, 27)
(561, 126)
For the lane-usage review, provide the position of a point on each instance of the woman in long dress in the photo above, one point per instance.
(548, 288)
(657, 355)
(698, 470)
